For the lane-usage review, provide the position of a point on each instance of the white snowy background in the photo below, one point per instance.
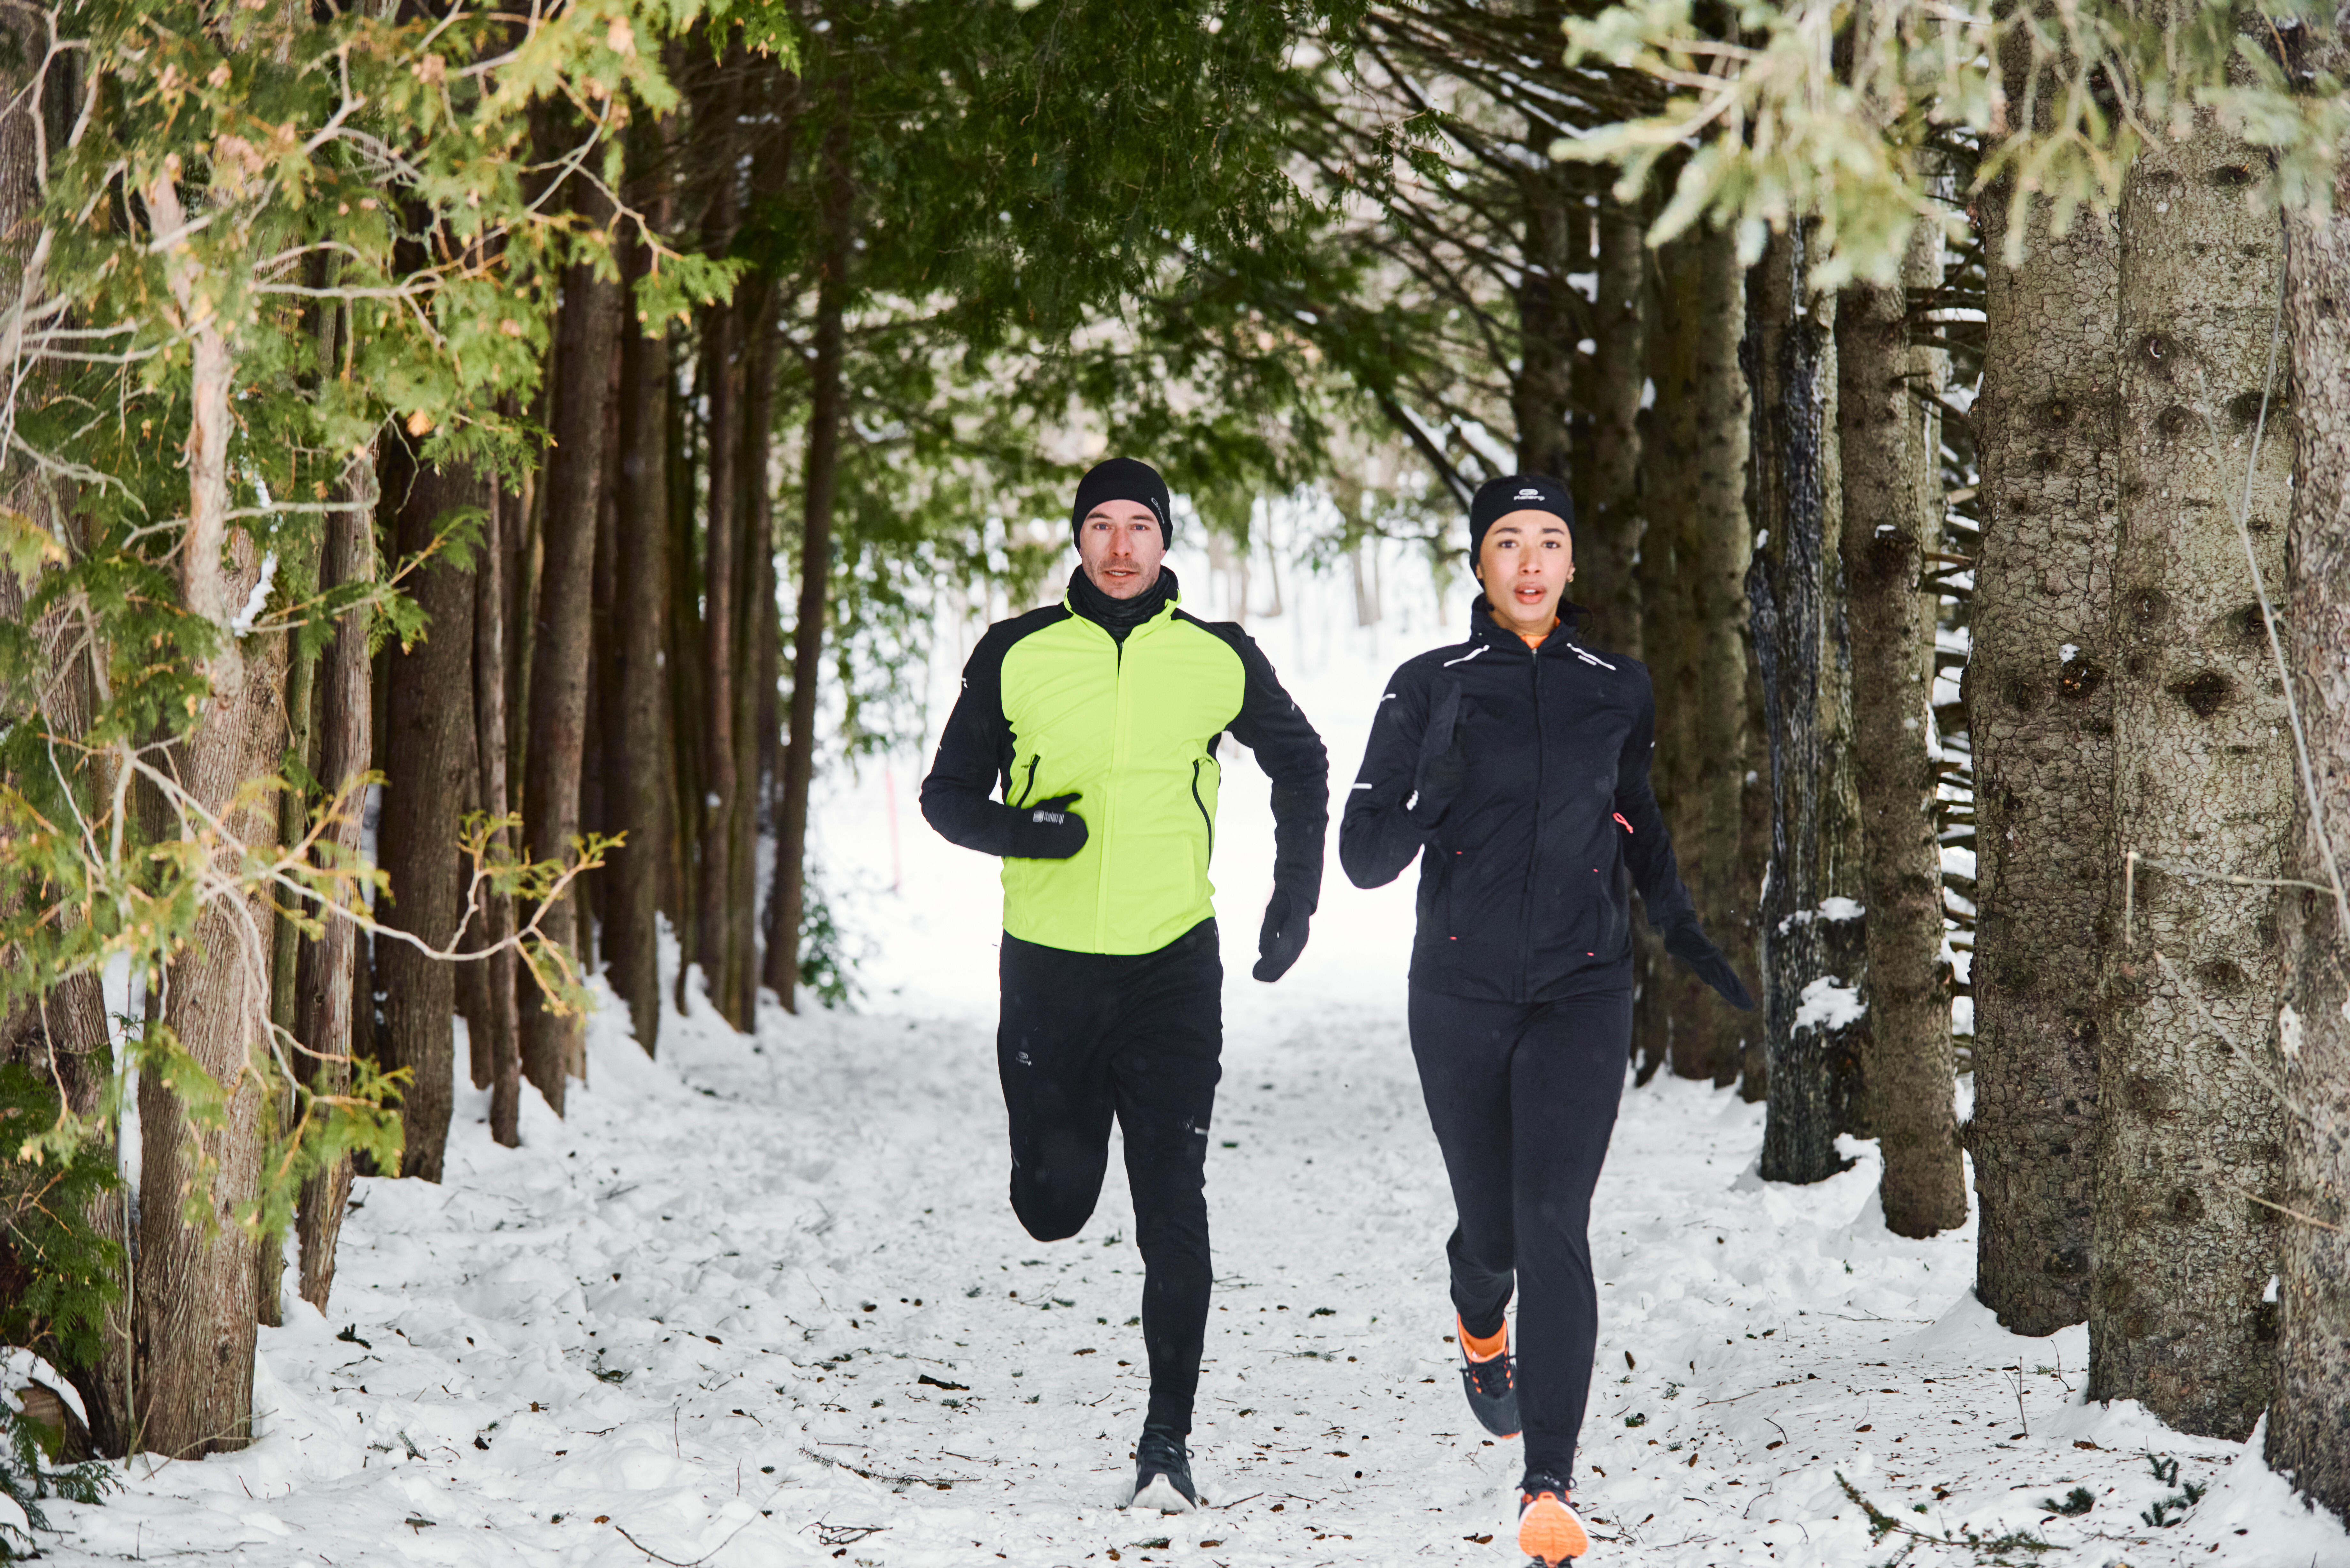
(762, 1301)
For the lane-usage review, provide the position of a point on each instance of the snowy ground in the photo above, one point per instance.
(763, 1301)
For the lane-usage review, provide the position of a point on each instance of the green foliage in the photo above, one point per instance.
(1847, 115)
(827, 968)
(66, 1271)
(2077, 1502)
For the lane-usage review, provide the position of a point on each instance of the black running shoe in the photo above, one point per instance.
(1491, 1385)
(1162, 1474)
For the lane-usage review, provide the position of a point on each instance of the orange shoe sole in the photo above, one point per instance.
(1549, 1531)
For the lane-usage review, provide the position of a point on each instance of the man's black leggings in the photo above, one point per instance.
(1086, 1036)
(1524, 1101)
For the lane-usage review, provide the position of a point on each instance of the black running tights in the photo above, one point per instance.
(1085, 1037)
(1524, 1101)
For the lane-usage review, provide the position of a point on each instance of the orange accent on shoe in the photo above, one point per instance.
(1485, 1349)
(1548, 1530)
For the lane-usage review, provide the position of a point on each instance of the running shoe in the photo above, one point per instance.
(1162, 1474)
(1548, 1530)
(1489, 1375)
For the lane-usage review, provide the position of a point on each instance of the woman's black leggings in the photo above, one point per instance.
(1086, 1037)
(1523, 1100)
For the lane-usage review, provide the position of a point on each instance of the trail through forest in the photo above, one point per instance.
(763, 1301)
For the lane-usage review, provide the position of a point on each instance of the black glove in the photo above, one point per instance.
(1441, 783)
(1686, 940)
(1283, 936)
(1048, 830)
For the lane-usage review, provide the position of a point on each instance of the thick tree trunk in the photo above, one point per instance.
(502, 1021)
(328, 985)
(1692, 571)
(755, 645)
(431, 742)
(1607, 524)
(2202, 783)
(1552, 317)
(2039, 712)
(1888, 515)
(194, 1317)
(837, 208)
(589, 325)
(1812, 955)
(633, 756)
(2309, 1425)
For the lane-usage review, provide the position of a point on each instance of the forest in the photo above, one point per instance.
(475, 480)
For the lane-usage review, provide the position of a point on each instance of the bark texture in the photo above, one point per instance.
(1607, 522)
(430, 749)
(1812, 935)
(755, 635)
(2038, 703)
(632, 752)
(323, 1016)
(2202, 782)
(1892, 506)
(2309, 1425)
(589, 329)
(1695, 552)
(838, 214)
(193, 1319)
(501, 1020)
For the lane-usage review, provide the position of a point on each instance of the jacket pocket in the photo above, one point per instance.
(1029, 788)
(1207, 817)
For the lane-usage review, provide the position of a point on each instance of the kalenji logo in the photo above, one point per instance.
(1528, 495)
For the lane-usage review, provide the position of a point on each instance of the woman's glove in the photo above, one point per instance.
(1445, 774)
(1048, 830)
(1685, 939)
(1282, 936)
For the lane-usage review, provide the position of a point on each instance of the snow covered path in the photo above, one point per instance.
(765, 1303)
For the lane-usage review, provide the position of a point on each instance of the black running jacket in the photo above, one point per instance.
(1525, 892)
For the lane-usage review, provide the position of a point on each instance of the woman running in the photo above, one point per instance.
(1519, 760)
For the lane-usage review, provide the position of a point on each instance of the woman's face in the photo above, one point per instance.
(1525, 565)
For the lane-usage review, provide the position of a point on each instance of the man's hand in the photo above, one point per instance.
(1685, 939)
(1283, 936)
(1048, 830)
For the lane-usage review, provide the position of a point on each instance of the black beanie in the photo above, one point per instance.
(1497, 498)
(1123, 479)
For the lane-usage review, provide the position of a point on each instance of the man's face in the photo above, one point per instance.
(1120, 546)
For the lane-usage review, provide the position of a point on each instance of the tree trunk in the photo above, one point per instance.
(500, 1018)
(837, 211)
(1552, 317)
(429, 734)
(194, 1318)
(328, 979)
(1892, 506)
(1607, 531)
(633, 757)
(2202, 783)
(590, 326)
(2309, 1425)
(721, 362)
(1693, 565)
(687, 708)
(755, 646)
(2040, 716)
(1813, 956)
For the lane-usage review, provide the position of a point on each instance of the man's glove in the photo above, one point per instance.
(1445, 775)
(1283, 936)
(1685, 939)
(1048, 830)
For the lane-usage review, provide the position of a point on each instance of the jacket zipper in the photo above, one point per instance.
(1031, 788)
(1210, 822)
(1116, 767)
(1526, 897)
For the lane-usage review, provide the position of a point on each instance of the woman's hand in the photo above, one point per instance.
(1685, 939)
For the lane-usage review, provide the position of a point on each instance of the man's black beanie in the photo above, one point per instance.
(1497, 498)
(1123, 479)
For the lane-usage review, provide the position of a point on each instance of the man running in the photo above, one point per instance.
(1097, 719)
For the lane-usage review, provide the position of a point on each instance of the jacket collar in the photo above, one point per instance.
(1484, 628)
